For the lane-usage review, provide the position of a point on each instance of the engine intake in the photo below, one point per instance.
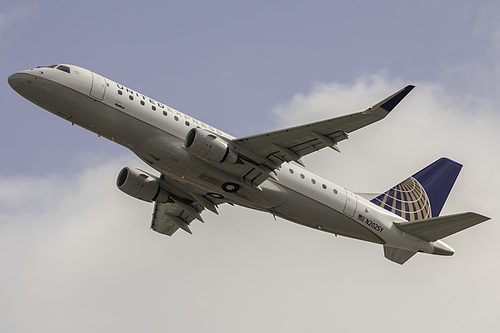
(207, 145)
(141, 185)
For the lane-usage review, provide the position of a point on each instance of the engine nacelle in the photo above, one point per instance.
(141, 185)
(207, 145)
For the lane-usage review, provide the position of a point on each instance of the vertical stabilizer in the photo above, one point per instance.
(422, 195)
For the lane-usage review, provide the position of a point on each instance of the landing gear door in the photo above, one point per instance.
(98, 86)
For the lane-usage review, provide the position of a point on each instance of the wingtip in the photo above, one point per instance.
(394, 100)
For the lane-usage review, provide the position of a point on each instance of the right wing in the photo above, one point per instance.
(256, 158)
(262, 154)
(291, 144)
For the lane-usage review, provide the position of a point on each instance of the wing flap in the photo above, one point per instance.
(161, 222)
(170, 216)
(440, 227)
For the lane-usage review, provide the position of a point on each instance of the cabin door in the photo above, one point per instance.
(98, 86)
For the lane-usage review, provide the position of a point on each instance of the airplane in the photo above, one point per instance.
(201, 167)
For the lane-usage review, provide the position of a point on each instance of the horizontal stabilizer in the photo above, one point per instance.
(399, 256)
(439, 227)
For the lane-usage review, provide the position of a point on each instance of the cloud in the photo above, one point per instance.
(431, 122)
(78, 254)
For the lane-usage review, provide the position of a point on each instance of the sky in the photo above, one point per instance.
(77, 255)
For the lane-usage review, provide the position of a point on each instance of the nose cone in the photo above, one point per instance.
(29, 85)
(15, 80)
(20, 82)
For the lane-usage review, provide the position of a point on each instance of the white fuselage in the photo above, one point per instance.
(156, 133)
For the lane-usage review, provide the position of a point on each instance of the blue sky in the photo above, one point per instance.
(78, 255)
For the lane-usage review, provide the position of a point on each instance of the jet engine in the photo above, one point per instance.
(207, 145)
(141, 185)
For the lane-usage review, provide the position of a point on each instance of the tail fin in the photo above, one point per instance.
(422, 195)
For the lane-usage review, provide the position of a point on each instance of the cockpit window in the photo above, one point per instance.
(64, 68)
(51, 66)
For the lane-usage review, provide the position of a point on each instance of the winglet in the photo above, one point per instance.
(390, 102)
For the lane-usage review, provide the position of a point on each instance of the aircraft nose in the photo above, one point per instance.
(14, 80)
(18, 81)
(23, 84)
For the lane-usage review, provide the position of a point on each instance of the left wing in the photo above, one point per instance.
(180, 210)
(292, 143)
(170, 216)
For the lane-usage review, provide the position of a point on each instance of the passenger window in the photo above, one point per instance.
(176, 118)
(153, 107)
(142, 103)
(291, 171)
(323, 186)
(63, 68)
(335, 191)
(120, 92)
(302, 176)
(313, 181)
(131, 97)
(187, 123)
(165, 113)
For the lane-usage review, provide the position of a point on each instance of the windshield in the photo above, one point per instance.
(59, 67)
